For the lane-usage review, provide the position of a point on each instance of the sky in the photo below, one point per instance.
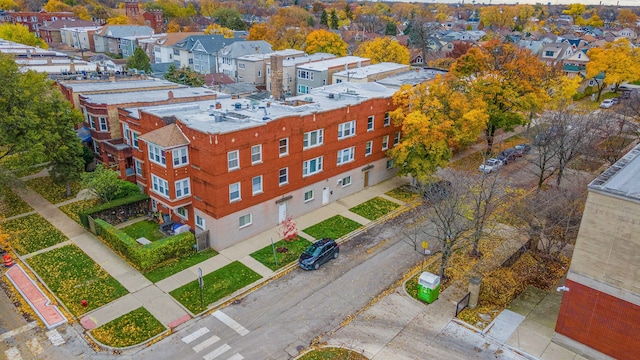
(544, 2)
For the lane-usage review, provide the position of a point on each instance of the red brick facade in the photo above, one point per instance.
(601, 321)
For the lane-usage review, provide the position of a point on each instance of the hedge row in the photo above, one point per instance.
(84, 215)
(148, 256)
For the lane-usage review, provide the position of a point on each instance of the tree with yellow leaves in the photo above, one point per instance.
(384, 49)
(326, 42)
(627, 18)
(8, 5)
(219, 30)
(435, 119)
(287, 29)
(575, 11)
(615, 63)
(56, 6)
(21, 34)
(118, 20)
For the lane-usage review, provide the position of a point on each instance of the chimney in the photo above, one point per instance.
(170, 94)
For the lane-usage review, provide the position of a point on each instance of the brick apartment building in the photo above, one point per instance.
(600, 312)
(237, 167)
(36, 20)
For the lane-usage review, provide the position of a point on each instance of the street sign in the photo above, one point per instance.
(200, 279)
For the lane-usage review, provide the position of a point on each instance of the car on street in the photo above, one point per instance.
(523, 149)
(508, 155)
(607, 103)
(615, 100)
(319, 253)
(435, 191)
(490, 166)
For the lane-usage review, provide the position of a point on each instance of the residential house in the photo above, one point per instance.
(200, 52)
(41, 60)
(50, 33)
(370, 73)
(236, 167)
(282, 71)
(600, 309)
(252, 68)
(228, 56)
(34, 21)
(163, 47)
(80, 38)
(628, 33)
(119, 39)
(535, 46)
(320, 73)
(576, 64)
(556, 53)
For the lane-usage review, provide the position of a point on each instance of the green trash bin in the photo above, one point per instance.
(428, 287)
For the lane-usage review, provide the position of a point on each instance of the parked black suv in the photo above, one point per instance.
(508, 155)
(318, 253)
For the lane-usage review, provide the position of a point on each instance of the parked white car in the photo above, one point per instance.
(490, 165)
(607, 103)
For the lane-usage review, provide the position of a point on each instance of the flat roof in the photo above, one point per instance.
(307, 58)
(621, 179)
(149, 95)
(79, 87)
(326, 64)
(365, 71)
(412, 77)
(228, 115)
(258, 57)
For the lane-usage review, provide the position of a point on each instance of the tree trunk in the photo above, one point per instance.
(68, 186)
(489, 134)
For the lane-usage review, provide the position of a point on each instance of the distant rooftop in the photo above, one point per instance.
(365, 71)
(228, 115)
(136, 95)
(622, 178)
(79, 87)
(286, 53)
(327, 64)
(412, 77)
(307, 58)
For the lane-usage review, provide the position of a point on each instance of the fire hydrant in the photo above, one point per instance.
(84, 303)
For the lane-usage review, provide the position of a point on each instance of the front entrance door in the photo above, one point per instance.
(325, 196)
(282, 212)
(366, 179)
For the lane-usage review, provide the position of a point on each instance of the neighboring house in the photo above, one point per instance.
(532, 45)
(36, 20)
(233, 168)
(163, 47)
(51, 33)
(200, 52)
(320, 73)
(600, 309)
(228, 56)
(415, 57)
(628, 33)
(80, 38)
(555, 53)
(281, 72)
(252, 68)
(369, 73)
(43, 61)
(119, 39)
(579, 58)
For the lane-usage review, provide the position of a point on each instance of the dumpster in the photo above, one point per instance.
(428, 287)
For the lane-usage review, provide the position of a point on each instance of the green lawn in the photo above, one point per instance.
(333, 354)
(11, 204)
(73, 276)
(296, 247)
(31, 233)
(129, 329)
(74, 208)
(334, 227)
(403, 193)
(217, 285)
(374, 208)
(51, 191)
(174, 266)
(145, 228)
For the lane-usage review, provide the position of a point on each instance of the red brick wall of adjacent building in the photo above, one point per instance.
(601, 321)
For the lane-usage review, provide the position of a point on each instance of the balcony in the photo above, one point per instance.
(118, 148)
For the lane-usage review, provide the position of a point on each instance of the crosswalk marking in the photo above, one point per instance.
(13, 354)
(34, 346)
(189, 338)
(217, 352)
(21, 329)
(236, 356)
(205, 344)
(230, 322)
(55, 337)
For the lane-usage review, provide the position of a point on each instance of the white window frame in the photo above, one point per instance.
(233, 160)
(385, 142)
(256, 188)
(387, 119)
(247, 222)
(157, 154)
(346, 155)
(232, 191)
(256, 154)
(180, 156)
(103, 123)
(312, 166)
(160, 186)
(126, 133)
(92, 122)
(346, 181)
(284, 172)
(96, 146)
(370, 123)
(283, 150)
(312, 139)
(346, 129)
(138, 166)
(390, 164)
(183, 188)
(368, 148)
(396, 138)
(184, 215)
(136, 142)
(200, 222)
(308, 195)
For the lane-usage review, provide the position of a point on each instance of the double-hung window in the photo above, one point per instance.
(370, 120)
(256, 185)
(183, 188)
(200, 222)
(346, 155)
(234, 192)
(180, 156)
(396, 138)
(313, 138)
(126, 133)
(138, 167)
(233, 160)
(385, 142)
(312, 166)
(387, 119)
(156, 154)
(283, 147)
(103, 123)
(135, 141)
(92, 122)
(283, 176)
(368, 148)
(160, 186)
(346, 129)
(245, 220)
(256, 154)
(308, 196)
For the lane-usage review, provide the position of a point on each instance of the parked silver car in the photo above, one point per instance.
(490, 165)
